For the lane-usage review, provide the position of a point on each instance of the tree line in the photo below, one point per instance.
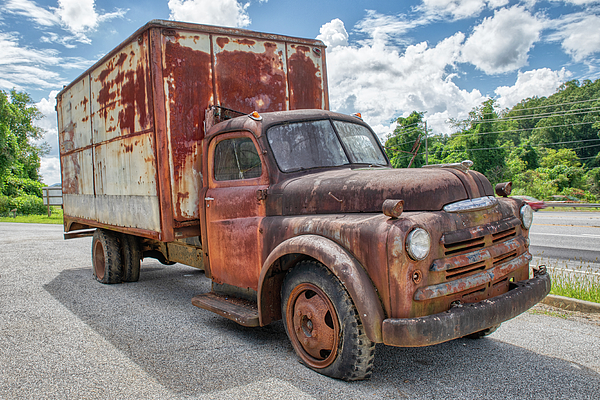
(20, 154)
(547, 146)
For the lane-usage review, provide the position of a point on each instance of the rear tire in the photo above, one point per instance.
(106, 257)
(323, 325)
(131, 257)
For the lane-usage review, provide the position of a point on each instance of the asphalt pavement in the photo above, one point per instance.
(566, 239)
(65, 336)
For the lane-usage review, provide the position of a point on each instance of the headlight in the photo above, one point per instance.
(418, 244)
(526, 216)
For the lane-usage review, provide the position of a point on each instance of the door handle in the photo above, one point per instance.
(208, 199)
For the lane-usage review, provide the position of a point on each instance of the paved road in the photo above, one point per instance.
(65, 336)
(569, 239)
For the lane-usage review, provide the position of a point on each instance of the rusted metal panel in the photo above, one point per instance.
(75, 141)
(120, 93)
(306, 77)
(136, 120)
(343, 191)
(478, 256)
(466, 318)
(188, 92)
(74, 110)
(472, 281)
(250, 74)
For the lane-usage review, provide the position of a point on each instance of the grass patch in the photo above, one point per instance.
(550, 313)
(56, 217)
(578, 283)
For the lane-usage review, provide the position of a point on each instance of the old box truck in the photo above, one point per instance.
(214, 147)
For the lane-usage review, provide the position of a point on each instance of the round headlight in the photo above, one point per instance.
(418, 244)
(526, 216)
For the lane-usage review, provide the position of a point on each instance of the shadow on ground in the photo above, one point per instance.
(194, 352)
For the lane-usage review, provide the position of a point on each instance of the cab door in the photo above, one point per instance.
(235, 207)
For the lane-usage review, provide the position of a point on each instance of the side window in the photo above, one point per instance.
(236, 159)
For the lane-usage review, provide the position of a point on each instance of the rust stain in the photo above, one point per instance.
(250, 81)
(180, 198)
(246, 42)
(84, 103)
(188, 73)
(222, 41)
(128, 147)
(306, 91)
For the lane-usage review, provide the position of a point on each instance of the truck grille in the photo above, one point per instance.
(477, 260)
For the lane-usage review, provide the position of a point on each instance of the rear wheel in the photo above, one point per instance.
(323, 324)
(131, 257)
(106, 257)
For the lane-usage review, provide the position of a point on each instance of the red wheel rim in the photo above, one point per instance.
(99, 265)
(313, 325)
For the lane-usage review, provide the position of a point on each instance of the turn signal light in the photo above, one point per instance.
(393, 208)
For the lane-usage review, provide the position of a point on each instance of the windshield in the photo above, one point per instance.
(310, 144)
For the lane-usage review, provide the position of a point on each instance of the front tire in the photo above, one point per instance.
(323, 325)
(483, 333)
(106, 257)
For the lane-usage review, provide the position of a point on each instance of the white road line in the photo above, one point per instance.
(583, 235)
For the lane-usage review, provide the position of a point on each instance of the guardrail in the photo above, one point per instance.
(574, 205)
(52, 196)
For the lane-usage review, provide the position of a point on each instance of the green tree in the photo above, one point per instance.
(19, 154)
(405, 139)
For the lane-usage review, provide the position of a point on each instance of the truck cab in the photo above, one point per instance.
(305, 220)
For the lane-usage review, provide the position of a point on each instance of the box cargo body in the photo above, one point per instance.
(130, 127)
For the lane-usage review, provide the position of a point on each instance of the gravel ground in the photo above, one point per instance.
(65, 336)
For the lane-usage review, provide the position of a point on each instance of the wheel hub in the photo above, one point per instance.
(315, 325)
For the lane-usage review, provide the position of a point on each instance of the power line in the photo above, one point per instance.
(567, 113)
(547, 106)
(533, 145)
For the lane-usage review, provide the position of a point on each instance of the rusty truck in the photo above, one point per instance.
(215, 147)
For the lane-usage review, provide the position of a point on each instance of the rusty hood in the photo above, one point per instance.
(364, 190)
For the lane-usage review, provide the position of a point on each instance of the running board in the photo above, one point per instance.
(242, 311)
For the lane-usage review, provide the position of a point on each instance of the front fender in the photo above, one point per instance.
(341, 263)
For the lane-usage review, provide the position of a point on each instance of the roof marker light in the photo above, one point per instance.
(255, 116)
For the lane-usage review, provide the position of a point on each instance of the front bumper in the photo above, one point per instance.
(469, 318)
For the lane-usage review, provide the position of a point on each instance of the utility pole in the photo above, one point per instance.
(426, 149)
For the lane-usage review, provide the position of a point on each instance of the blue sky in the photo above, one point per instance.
(385, 58)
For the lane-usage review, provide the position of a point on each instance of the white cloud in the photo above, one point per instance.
(579, 34)
(50, 170)
(334, 34)
(460, 9)
(387, 28)
(501, 43)
(377, 80)
(76, 16)
(223, 13)
(30, 9)
(24, 67)
(50, 164)
(538, 82)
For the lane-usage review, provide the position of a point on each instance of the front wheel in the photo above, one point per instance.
(323, 325)
(483, 333)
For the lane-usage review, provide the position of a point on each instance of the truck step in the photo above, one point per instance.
(242, 311)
